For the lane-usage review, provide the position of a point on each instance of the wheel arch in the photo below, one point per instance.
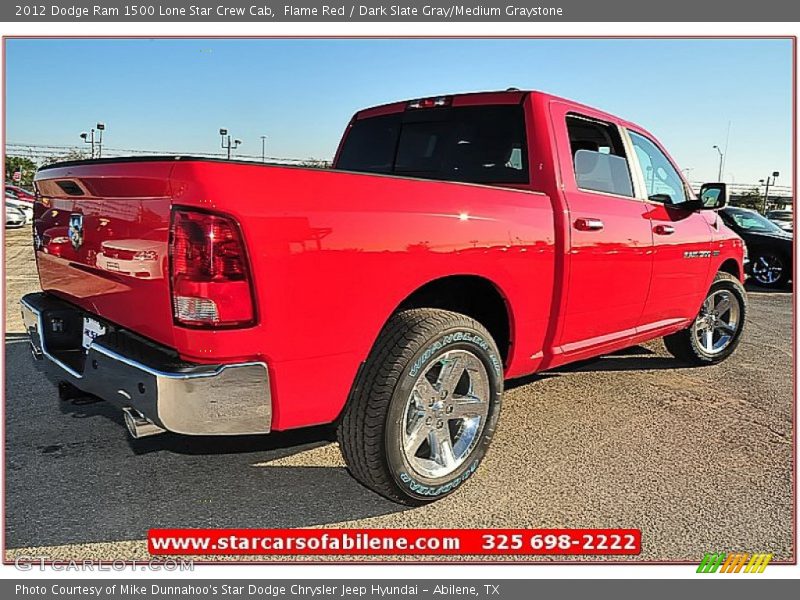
(472, 295)
(732, 267)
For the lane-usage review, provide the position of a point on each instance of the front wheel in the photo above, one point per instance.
(714, 334)
(423, 411)
(769, 270)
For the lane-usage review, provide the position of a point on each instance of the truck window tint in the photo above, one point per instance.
(662, 181)
(370, 145)
(475, 144)
(598, 157)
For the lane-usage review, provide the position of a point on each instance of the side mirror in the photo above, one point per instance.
(713, 196)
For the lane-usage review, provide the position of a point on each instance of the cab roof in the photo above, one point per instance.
(509, 96)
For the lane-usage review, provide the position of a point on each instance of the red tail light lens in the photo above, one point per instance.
(211, 284)
(430, 102)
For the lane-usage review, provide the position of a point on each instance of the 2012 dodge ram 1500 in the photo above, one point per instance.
(458, 241)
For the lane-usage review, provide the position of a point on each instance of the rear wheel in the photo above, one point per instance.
(769, 269)
(423, 411)
(717, 329)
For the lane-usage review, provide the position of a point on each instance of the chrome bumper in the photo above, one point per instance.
(134, 373)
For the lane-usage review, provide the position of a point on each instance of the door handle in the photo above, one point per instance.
(664, 229)
(587, 224)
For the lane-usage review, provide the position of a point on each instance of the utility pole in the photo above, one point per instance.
(721, 156)
(263, 148)
(727, 141)
(88, 138)
(226, 142)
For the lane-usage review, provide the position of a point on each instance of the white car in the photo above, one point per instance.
(781, 218)
(14, 217)
(144, 259)
(22, 205)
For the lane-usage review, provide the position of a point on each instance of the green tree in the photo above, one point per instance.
(25, 165)
(71, 155)
(315, 163)
(751, 198)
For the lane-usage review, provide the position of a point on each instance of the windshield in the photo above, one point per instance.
(750, 221)
(472, 144)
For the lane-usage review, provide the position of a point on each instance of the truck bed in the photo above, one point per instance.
(329, 251)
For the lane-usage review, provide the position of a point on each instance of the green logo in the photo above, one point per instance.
(734, 563)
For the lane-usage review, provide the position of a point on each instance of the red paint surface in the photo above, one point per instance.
(333, 254)
(378, 542)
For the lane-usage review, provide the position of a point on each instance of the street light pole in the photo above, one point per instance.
(85, 138)
(263, 148)
(767, 183)
(226, 142)
(88, 138)
(101, 127)
(721, 156)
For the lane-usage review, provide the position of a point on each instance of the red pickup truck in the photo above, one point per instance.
(458, 241)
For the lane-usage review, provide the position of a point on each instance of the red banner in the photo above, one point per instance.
(393, 541)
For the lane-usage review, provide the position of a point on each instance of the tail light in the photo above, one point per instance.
(210, 277)
(430, 102)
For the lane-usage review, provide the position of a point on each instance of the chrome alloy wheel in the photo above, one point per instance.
(767, 269)
(718, 321)
(446, 413)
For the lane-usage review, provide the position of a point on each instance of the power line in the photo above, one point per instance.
(46, 151)
(51, 151)
(747, 187)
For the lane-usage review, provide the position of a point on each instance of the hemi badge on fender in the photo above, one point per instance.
(697, 254)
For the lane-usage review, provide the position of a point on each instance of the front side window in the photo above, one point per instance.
(598, 157)
(471, 144)
(662, 181)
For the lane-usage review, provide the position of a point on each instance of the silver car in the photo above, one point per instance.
(22, 205)
(14, 217)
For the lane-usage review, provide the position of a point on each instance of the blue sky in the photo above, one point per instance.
(174, 95)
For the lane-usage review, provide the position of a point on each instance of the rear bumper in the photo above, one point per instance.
(135, 373)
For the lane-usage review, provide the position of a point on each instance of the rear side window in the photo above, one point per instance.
(370, 145)
(598, 156)
(475, 144)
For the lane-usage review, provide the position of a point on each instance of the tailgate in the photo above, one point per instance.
(101, 236)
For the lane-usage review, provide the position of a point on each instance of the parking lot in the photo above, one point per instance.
(699, 459)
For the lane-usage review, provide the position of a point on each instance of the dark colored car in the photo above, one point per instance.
(769, 247)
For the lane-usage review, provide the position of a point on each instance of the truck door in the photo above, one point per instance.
(682, 239)
(608, 248)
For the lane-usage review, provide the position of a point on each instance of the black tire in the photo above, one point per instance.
(773, 259)
(370, 431)
(685, 345)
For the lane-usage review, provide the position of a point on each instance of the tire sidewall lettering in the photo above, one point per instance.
(452, 338)
(426, 490)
